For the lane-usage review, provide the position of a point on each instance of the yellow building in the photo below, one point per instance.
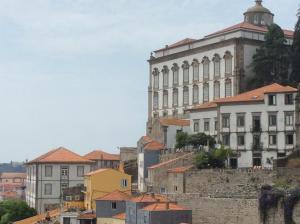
(103, 181)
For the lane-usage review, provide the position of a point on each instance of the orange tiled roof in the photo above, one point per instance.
(87, 216)
(60, 155)
(248, 27)
(174, 121)
(178, 43)
(181, 169)
(37, 218)
(208, 105)
(121, 216)
(150, 144)
(13, 175)
(164, 207)
(97, 171)
(101, 155)
(115, 196)
(148, 198)
(168, 162)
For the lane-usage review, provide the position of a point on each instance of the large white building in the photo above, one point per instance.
(196, 71)
(259, 125)
(52, 172)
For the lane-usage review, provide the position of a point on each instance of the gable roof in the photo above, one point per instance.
(168, 162)
(174, 122)
(181, 169)
(151, 144)
(164, 207)
(60, 155)
(101, 155)
(115, 196)
(149, 198)
(104, 170)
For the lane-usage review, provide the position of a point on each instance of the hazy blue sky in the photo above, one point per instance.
(73, 73)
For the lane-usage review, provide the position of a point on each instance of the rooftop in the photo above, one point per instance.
(181, 169)
(38, 218)
(13, 175)
(169, 161)
(149, 198)
(115, 196)
(101, 155)
(174, 122)
(151, 144)
(164, 207)
(121, 216)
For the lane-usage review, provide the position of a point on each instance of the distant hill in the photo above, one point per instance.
(12, 167)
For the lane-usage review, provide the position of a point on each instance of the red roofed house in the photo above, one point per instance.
(197, 71)
(259, 125)
(103, 159)
(49, 174)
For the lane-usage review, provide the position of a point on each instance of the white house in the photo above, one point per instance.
(259, 125)
(50, 173)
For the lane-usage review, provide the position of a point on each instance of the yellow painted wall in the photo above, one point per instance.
(110, 221)
(104, 182)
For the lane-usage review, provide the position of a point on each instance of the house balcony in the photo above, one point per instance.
(257, 147)
(256, 129)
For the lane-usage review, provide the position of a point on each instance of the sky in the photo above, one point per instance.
(74, 73)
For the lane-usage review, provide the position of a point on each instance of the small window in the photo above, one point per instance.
(124, 183)
(64, 172)
(162, 190)
(289, 139)
(175, 188)
(206, 68)
(272, 120)
(64, 186)
(289, 119)
(272, 139)
(226, 139)
(256, 161)
(289, 99)
(241, 140)
(196, 125)
(69, 198)
(114, 205)
(272, 100)
(80, 171)
(165, 73)
(196, 70)
(48, 171)
(48, 189)
(175, 70)
(228, 88)
(216, 90)
(155, 78)
(206, 125)
(241, 120)
(228, 63)
(217, 67)
(66, 220)
(226, 121)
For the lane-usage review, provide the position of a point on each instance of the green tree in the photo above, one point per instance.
(181, 140)
(271, 61)
(201, 139)
(15, 210)
(202, 160)
(295, 54)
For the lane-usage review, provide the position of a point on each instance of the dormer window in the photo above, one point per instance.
(272, 100)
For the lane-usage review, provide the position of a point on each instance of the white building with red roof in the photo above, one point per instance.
(197, 71)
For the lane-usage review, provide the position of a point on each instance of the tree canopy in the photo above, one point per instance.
(295, 53)
(184, 139)
(14, 210)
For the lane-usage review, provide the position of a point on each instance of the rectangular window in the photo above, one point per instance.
(66, 220)
(156, 81)
(216, 124)
(289, 119)
(48, 171)
(241, 140)
(195, 94)
(228, 89)
(196, 125)
(80, 171)
(114, 205)
(165, 99)
(272, 139)
(162, 190)
(175, 77)
(185, 96)
(225, 121)
(124, 183)
(217, 68)
(226, 139)
(196, 72)
(272, 119)
(272, 100)
(289, 99)
(256, 141)
(64, 172)
(206, 125)
(240, 120)
(48, 189)
(256, 124)
(289, 139)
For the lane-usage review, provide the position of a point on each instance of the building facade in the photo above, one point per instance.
(259, 125)
(103, 159)
(197, 71)
(51, 173)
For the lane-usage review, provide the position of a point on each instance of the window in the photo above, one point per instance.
(256, 161)
(48, 171)
(185, 68)
(165, 98)
(162, 190)
(240, 120)
(66, 220)
(155, 100)
(175, 113)
(256, 141)
(69, 198)
(165, 73)
(216, 124)
(289, 99)
(206, 125)
(175, 70)
(216, 90)
(241, 140)
(80, 171)
(195, 70)
(196, 125)
(175, 97)
(272, 100)
(195, 94)
(228, 63)
(217, 66)
(228, 88)
(289, 119)
(272, 119)
(114, 205)
(165, 113)
(289, 139)
(256, 19)
(124, 183)
(205, 68)
(185, 95)
(48, 189)
(63, 186)
(175, 188)
(226, 139)
(155, 78)
(225, 121)
(205, 92)
(64, 172)
(272, 139)
(256, 123)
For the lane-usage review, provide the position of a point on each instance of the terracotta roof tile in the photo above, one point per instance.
(164, 207)
(174, 121)
(101, 155)
(88, 215)
(181, 169)
(115, 196)
(97, 171)
(148, 198)
(37, 218)
(121, 216)
(151, 145)
(169, 161)
(60, 155)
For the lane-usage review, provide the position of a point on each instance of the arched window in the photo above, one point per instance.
(205, 92)
(228, 63)
(217, 67)
(205, 63)
(175, 70)
(228, 88)
(155, 100)
(185, 68)
(165, 72)
(185, 95)
(165, 98)
(155, 78)
(216, 90)
(195, 65)
(195, 94)
(175, 97)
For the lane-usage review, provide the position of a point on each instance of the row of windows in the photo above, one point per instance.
(195, 92)
(196, 67)
(64, 172)
(288, 99)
